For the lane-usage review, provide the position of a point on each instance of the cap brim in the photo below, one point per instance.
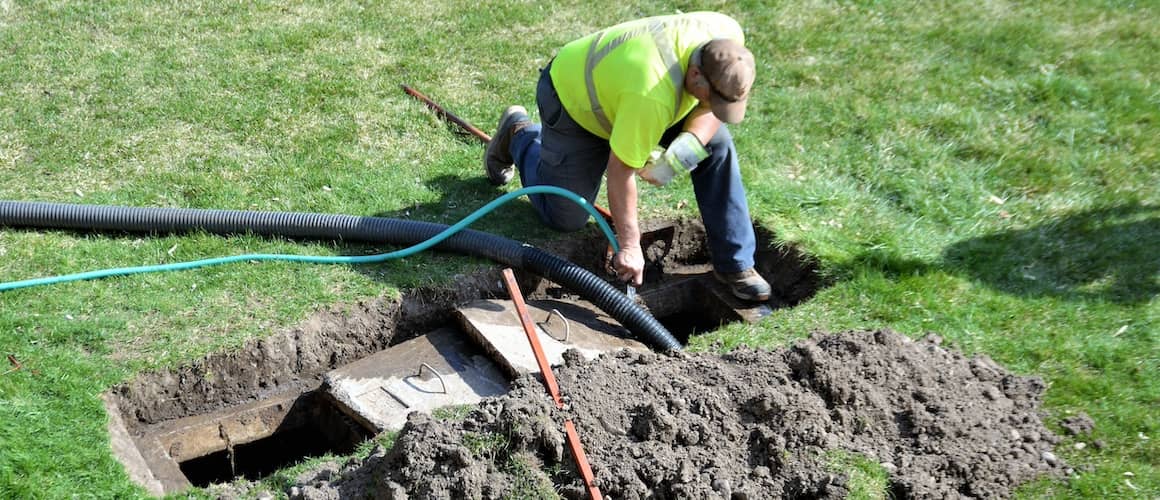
(727, 111)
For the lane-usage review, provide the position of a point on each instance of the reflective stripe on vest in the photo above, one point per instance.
(664, 49)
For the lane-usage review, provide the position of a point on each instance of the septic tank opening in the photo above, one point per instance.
(685, 324)
(312, 428)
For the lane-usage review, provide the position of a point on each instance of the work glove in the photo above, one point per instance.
(682, 155)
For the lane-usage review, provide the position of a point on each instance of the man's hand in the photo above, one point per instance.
(629, 261)
(629, 265)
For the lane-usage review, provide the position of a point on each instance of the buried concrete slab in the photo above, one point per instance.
(560, 325)
(126, 450)
(162, 447)
(679, 291)
(248, 440)
(433, 371)
(308, 425)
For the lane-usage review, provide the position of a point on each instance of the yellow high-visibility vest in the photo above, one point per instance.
(626, 83)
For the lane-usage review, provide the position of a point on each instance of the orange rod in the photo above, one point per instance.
(581, 460)
(550, 380)
(526, 320)
(603, 211)
(447, 115)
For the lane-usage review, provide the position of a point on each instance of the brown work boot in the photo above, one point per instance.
(497, 159)
(745, 285)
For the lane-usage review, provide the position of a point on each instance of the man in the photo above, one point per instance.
(607, 100)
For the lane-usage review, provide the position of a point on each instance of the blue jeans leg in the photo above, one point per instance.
(525, 151)
(724, 209)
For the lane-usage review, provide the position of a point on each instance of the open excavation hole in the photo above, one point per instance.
(261, 409)
(686, 324)
(313, 427)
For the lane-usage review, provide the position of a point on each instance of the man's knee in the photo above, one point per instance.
(563, 215)
(566, 224)
(721, 152)
(721, 143)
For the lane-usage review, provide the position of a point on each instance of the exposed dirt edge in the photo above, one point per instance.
(749, 424)
(295, 359)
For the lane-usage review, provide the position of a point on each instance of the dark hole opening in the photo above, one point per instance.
(691, 306)
(684, 324)
(312, 428)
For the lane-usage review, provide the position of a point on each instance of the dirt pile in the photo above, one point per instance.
(748, 424)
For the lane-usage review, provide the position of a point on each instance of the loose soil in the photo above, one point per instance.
(743, 425)
(748, 424)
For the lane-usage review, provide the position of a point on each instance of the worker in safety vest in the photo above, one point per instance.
(609, 99)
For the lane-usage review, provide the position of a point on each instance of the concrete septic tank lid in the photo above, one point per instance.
(422, 374)
(495, 325)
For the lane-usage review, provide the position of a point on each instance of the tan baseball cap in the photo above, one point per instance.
(729, 68)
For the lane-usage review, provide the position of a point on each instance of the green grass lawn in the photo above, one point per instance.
(987, 171)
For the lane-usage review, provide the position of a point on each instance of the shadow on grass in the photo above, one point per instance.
(459, 196)
(1108, 254)
(455, 198)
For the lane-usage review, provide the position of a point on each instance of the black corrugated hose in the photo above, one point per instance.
(345, 228)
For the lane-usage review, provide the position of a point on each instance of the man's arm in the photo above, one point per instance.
(685, 151)
(702, 123)
(622, 198)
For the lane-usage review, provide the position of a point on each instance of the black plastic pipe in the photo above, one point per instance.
(345, 228)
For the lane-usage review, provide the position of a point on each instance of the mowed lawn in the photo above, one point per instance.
(987, 171)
